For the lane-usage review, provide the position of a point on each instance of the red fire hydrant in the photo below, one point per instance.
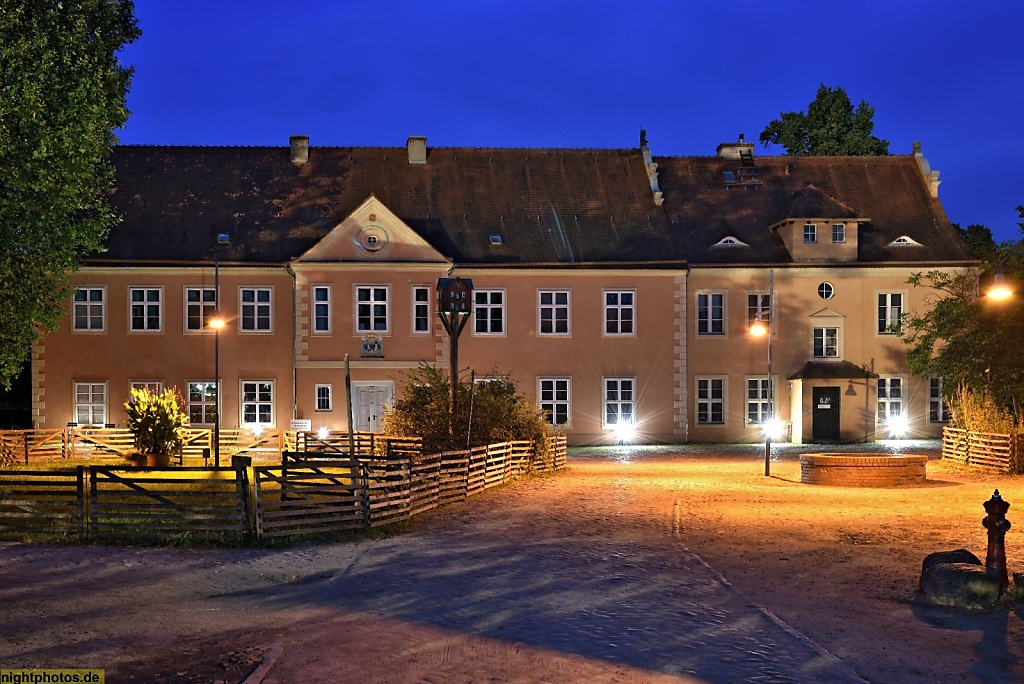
(997, 525)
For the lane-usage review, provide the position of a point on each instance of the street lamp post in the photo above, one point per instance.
(216, 323)
(757, 330)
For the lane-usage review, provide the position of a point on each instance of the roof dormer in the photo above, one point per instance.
(815, 226)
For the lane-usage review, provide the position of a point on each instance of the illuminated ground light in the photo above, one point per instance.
(897, 426)
(257, 430)
(624, 432)
(322, 432)
(773, 429)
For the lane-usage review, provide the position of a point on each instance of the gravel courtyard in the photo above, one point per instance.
(635, 565)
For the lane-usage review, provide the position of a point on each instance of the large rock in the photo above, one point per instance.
(960, 585)
(958, 556)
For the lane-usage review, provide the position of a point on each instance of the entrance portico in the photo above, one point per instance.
(832, 402)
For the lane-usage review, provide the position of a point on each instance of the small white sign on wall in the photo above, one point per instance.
(301, 425)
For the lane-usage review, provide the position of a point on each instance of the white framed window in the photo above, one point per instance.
(257, 403)
(938, 410)
(89, 309)
(323, 397)
(826, 343)
(554, 394)
(890, 313)
(372, 310)
(145, 309)
(619, 312)
(321, 309)
(554, 312)
(91, 403)
(890, 397)
(826, 291)
(619, 401)
(711, 400)
(488, 312)
(710, 313)
(810, 232)
(200, 307)
(759, 306)
(202, 402)
(759, 400)
(838, 232)
(420, 309)
(255, 309)
(154, 386)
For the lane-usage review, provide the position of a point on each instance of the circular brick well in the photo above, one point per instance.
(863, 470)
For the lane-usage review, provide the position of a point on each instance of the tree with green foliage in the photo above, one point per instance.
(830, 127)
(498, 412)
(968, 339)
(62, 94)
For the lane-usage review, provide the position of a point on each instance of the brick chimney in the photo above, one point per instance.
(300, 149)
(417, 145)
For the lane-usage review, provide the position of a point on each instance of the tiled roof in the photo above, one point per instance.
(890, 191)
(811, 202)
(550, 206)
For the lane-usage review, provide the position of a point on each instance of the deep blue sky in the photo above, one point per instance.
(590, 73)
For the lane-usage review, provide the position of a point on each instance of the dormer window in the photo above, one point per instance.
(730, 241)
(838, 232)
(810, 232)
(904, 241)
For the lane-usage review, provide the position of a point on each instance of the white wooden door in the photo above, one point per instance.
(370, 403)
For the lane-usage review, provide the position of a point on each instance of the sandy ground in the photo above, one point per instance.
(633, 566)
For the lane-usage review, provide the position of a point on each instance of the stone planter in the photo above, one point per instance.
(150, 460)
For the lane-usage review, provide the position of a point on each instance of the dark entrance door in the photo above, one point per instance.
(825, 423)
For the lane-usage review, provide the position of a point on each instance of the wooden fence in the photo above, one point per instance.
(983, 450)
(157, 502)
(308, 493)
(26, 446)
(33, 501)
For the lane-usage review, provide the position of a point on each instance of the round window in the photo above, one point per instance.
(825, 290)
(373, 238)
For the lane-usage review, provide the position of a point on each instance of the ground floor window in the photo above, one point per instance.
(554, 399)
(257, 403)
(323, 397)
(710, 401)
(890, 397)
(154, 386)
(619, 401)
(938, 410)
(91, 403)
(202, 402)
(759, 401)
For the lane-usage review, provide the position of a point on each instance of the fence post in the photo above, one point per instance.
(243, 489)
(25, 436)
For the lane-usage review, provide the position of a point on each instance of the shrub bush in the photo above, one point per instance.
(977, 411)
(157, 420)
(496, 412)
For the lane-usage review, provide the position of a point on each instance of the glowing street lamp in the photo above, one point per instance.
(770, 426)
(1000, 289)
(216, 323)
